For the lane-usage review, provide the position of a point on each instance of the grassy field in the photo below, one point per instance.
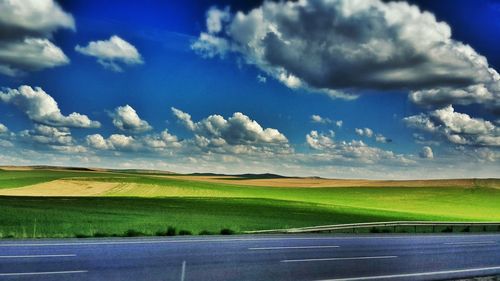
(110, 203)
(85, 216)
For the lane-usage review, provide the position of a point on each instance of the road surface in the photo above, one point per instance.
(271, 257)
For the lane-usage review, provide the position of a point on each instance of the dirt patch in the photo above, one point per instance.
(62, 188)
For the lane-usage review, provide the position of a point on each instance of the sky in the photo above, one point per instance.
(339, 89)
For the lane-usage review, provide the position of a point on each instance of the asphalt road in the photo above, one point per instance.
(277, 257)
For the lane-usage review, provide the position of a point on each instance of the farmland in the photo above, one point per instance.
(68, 203)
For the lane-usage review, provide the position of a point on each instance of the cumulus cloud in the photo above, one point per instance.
(154, 142)
(70, 149)
(112, 53)
(29, 54)
(353, 152)
(3, 129)
(25, 30)
(318, 119)
(44, 134)
(42, 108)
(163, 140)
(237, 129)
(382, 139)
(97, 141)
(325, 120)
(42, 16)
(115, 141)
(366, 132)
(216, 19)
(237, 134)
(457, 128)
(440, 97)
(355, 45)
(426, 153)
(6, 144)
(125, 118)
(123, 142)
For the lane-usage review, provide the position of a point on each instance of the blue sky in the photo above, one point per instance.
(334, 89)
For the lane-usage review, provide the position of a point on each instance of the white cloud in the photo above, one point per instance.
(318, 119)
(155, 142)
(29, 54)
(325, 120)
(125, 118)
(261, 78)
(26, 27)
(123, 142)
(42, 108)
(381, 138)
(421, 121)
(6, 144)
(114, 142)
(319, 141)
(44, 134)
(97, 141)
(184, 118)
(354, 45)
(426, 153)
(236, 135)
(237, 129)
(457, 128)
(216, 19)
(352, 153)
(70, 149)
(209, 46)
(366, 132)
(462, 123)
(112, 53)
(3, 129)
(163, 140)
(43, 16)
(445, 96)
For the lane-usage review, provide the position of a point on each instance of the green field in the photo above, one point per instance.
(148, 204)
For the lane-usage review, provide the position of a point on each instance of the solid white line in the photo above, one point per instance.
(43, 273)
(37, 256)
(415, 274)
(219, 240)
(293, 247)
(470, 243)
(341, 259)
(157, 241)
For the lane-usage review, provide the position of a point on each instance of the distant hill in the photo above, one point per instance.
(86, 169)
(243, 176)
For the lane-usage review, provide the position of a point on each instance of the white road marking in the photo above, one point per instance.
(156, 241)
(217, 240)
(415, 274)
(470, 243)
(37, 256)
(341, 259)
(43, 273)
(183, 273)
(292, 247)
